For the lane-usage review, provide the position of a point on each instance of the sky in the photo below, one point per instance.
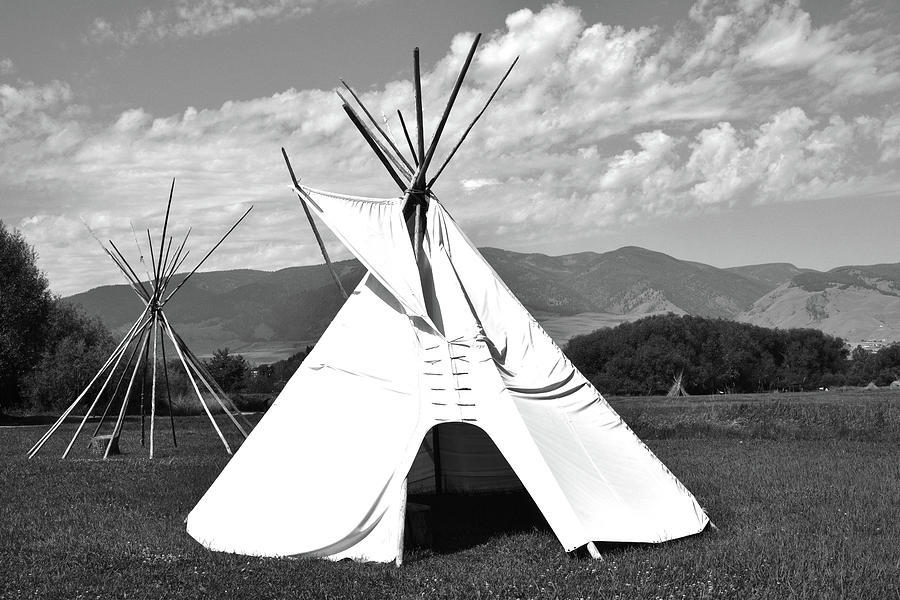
(726, 132)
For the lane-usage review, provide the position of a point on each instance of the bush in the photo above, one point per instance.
(75, 347)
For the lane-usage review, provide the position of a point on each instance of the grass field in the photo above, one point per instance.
(805, 490)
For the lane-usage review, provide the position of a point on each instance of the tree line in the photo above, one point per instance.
(717, 356)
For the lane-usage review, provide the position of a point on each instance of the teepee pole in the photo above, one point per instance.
(375, 123)
(223, 398)
(215, 384)
(165, 226)
(115, 391)
(155, 281)
(203, 379)
(301, 195)
(130, 270)
(190, 375)
(213, 249)
(472, 124)
(111, 369)
(202, 374)
(412, 150)
(118, 426)
(401, 527)
(162, 344)
(374, 146)
(175, 260)
(420, 124)
(112, 357)
(144, 386)
(175, 267)
(388, 154)
(131, 282)
(420, 182)
(153, 386)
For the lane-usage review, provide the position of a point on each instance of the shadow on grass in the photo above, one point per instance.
(459, 522)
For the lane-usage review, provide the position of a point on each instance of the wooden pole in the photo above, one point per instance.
(162, 343)
(417, 82)
(133, 274)
(388, 154)
(202, 375)
(374, 146)
(175, 267)
(175, 259)
(165, 226)
(472, 124)
(112, 357)
(227, 233)
(187, 370)
(115, 391)
(375, 123)
(141, 293)
(144, 341)
(312, 223)
(155, 281)
(223, 396)
(94, 403)
(408, 140)
(417, 231)
(401, 528)
(153, 386)
(144, 385)
(420, 183)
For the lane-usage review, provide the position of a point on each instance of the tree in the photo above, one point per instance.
(24, 305)
(229, 370)
(75, 347)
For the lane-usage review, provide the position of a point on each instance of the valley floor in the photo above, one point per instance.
(805, 490)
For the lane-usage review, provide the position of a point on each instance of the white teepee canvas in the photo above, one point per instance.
(430, 336)
(326, 466)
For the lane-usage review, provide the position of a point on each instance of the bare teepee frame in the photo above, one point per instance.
(148, 330)
(411, 178)
(677, 390)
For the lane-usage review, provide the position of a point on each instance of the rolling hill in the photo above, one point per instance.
(269, 315)
(855, 303)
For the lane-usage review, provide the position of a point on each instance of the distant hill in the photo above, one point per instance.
(268, 315)
(770, 274)
(855, 302)
(627, 281)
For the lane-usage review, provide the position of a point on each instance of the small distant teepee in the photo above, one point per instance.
(149, 330)
(677, 390)
(871, 386)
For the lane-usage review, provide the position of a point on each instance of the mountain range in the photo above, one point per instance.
(269, 315)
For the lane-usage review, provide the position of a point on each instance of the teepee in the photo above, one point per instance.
(429, 345)
(142, 344)
(677, 390)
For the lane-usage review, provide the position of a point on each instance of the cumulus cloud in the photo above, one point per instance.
(598, 126)
(199, 18)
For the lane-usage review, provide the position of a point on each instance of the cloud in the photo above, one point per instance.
(7, 67)
(193, 19)
(598, 126)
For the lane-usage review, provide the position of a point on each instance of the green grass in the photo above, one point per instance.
(811, 515)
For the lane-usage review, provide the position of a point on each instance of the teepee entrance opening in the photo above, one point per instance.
(462, 491)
